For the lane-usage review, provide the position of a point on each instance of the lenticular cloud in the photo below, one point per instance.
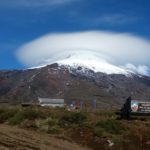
(120, 49)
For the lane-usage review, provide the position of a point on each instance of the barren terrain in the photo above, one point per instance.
(13, 138)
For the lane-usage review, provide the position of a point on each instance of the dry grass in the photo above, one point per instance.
(45, 128)
(12, 138)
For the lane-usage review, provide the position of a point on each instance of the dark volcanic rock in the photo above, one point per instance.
(71, 84)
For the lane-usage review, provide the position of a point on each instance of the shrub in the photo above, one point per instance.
(52, 121)
(72, 118)
(25, 114)
(111, 126)
(16, 119)
(53, 130)
(31, 114)
(5, 114)
(100, 132)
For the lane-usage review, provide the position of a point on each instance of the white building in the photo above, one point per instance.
(51, 102)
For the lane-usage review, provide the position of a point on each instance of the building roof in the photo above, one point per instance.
(50, 101)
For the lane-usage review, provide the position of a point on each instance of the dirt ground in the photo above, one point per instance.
(13, 138)
(86, 137)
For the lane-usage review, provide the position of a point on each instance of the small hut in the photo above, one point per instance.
(51, 102)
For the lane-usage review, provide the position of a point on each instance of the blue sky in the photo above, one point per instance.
(22, 21)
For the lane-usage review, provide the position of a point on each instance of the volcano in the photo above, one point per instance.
(74, 78)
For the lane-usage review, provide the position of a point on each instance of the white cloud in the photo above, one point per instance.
(140, 69)
(120, 49)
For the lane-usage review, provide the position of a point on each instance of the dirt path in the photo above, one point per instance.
(13, 138)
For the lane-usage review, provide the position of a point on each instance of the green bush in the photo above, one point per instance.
(32, 114)
(16, 119)
(6, 114)
(52, 121)
(111, 126)
(100, 132)
(53, 130)
(72, 118)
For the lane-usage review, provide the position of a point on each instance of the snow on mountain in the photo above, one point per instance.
(88, 61)
(92, 63)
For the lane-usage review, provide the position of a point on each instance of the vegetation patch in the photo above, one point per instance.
(93, 128)
(111, 126)
(16, 119)
(72, 118)
(105, 113)
(6, 113)
(54, 130)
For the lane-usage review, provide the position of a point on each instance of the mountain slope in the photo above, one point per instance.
(71, 83)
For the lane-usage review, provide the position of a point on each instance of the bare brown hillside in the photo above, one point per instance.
(52, 81)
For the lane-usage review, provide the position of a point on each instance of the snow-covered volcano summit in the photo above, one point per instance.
(108, 52)
(92, 62)
(87, 60)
